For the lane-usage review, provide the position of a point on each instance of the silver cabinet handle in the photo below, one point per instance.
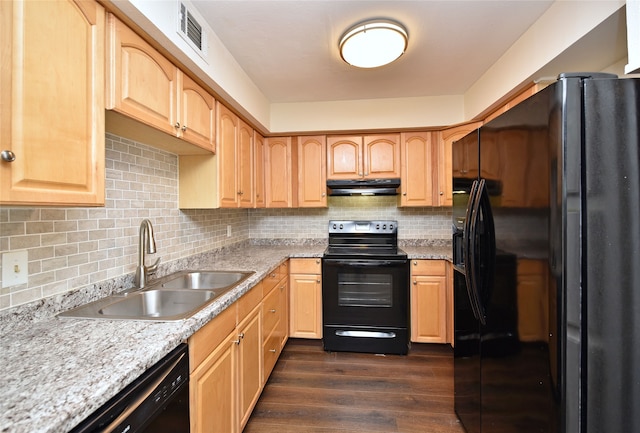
(177, 125)
(272, 350)
(441, 192)
(273, 310)
(184, 127)
(8, 156)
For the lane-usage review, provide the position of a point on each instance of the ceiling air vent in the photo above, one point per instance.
(191, 30)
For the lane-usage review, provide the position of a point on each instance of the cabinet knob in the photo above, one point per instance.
(273, 310)
(324, 194)
(237, 341)
(272, 350)
(8, 156)
(241, 335)
(415, 283)
(184, 127)
(318, 280)
(404, 194)
(177, 125)
(441, 192)
(415, 263)
(317, 261)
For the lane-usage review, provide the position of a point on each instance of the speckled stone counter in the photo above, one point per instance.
(57, 371)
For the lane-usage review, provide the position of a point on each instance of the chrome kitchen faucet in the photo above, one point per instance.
(146, 243)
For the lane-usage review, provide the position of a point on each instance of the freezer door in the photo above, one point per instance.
(611, 267)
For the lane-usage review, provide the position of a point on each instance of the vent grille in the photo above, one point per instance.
(191, 30)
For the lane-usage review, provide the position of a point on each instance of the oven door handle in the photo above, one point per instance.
(364, 263)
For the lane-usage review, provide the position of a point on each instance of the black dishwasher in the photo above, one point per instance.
(158, 401)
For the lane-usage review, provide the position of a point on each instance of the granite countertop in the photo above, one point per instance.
(59, 370)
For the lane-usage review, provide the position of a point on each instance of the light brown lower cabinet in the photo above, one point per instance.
(231, 358)
(431, 298)
(306, 298)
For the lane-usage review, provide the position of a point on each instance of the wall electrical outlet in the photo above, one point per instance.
(15, 268)
(229, 231)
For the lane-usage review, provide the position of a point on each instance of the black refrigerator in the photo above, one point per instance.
(546, 251)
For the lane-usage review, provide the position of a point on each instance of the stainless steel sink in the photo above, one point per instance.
(205, 279)
(170, 298)
(165, 304)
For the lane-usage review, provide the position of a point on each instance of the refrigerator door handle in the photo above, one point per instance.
(473, 248)
(468, 245)
(487, 248)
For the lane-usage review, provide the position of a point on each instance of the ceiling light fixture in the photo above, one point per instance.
(373, 43)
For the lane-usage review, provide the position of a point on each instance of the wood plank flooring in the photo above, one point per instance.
(313, 391)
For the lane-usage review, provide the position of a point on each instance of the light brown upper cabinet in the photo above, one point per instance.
(446, 164)
(52, 103)
(235, 160)
(197, 114)
(144, 85)
(312, 171)
(280, 166)
(419, 170)
(358, 157)
(258, 146)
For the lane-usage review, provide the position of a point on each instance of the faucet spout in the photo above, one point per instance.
(146, 244)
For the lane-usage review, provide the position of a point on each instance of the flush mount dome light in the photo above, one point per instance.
(373, 43)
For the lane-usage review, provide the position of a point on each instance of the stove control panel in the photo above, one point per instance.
(383, 227)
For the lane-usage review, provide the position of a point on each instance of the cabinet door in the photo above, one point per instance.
(142, 83)
(245, 166)
(344, 157)
(258, 145)
(52, 102)
(446, 170)
(419, 171)
(312, 171)
(382, 156)
(213, 390)
(428, 309)
(278, 172)
(197, 114)
(227, 156)
(249, 364)
(305, 313)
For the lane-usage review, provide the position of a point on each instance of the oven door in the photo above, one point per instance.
(364, 300)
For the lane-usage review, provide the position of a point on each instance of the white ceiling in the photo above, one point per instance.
(289, 48)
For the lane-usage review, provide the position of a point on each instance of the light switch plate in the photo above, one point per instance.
(15, 268)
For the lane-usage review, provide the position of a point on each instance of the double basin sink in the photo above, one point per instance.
(174, 297)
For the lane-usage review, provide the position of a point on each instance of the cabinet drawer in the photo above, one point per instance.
(248, 302)
(428, 267)
(271, 311)
(203, 342)
(306, 266)
(270, 281)
(271, 349)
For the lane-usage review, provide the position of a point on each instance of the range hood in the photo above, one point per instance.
(363, 187)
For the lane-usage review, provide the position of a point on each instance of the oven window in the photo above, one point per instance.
(365, 290)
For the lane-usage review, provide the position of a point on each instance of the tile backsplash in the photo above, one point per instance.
(69, 248)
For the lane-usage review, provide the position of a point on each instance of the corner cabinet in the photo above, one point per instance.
(52, 103)
(359, 157)
(431, 298)
(446, 137)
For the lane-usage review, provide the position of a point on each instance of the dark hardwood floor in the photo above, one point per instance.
(314, 391)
